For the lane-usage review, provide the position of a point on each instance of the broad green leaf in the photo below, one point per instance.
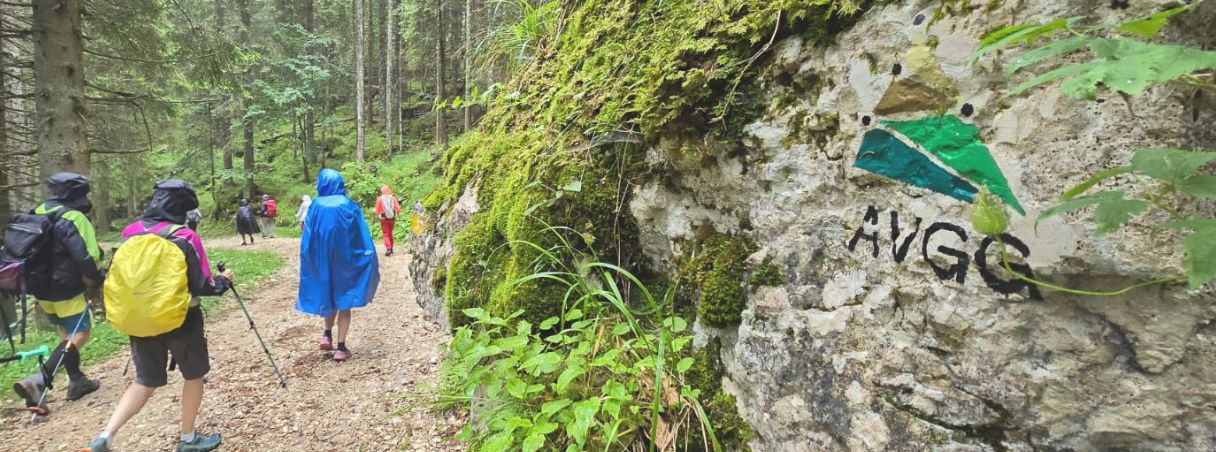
(567, 376)
(500, 441)
(475, 313)
(684, 365)
(1111, 214)
(608, 358)
(1149, 26)
(523, 328)
(549, 408)
(1051, 76)
(1099, 177)
(517, 388)
(543, 363)
(549, 322)
(1199, 255)
(1017, 34)
(576, 186)
(543, 428)
(584, 417)
(675, 324)
(511, 343)
(1057, 48)
(533, 443)
(1201, 186)
(620, 329)
(1076, 204)
(1170, 165)
(574, 314)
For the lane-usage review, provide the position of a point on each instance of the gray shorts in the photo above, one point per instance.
(187, 344)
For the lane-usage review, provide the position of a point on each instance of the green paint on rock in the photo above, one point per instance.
(957, 145)
(883, 154)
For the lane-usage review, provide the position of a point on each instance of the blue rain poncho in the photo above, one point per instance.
(338, 265)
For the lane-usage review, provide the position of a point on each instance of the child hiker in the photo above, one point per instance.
(246, 222)
(388, 209)
(152, 294)
(338, 266)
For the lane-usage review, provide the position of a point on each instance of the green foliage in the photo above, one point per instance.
(988, 214)
(721, 275)
(516, 41)
(1165, 172)
(599, 375)
(766, 275)
(1115, 56)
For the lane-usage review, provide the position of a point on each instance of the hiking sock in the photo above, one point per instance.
(57, 356)
(342, 347)
(328, 333)
(71, 362)
(107, 437)
(187, 437)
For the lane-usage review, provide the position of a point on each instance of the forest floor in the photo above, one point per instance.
(364, 404)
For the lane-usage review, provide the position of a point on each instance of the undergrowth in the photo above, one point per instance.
(611, 371)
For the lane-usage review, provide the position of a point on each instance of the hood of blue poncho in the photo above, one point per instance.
(330, 183)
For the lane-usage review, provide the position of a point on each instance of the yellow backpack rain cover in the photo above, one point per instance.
(147, 290)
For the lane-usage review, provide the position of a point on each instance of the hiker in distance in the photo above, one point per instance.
(388, 209)
(302, 211)
(193, 218)
(152, 294)
(267, 212)
(61, 280)
(246, 222)
(338, 266)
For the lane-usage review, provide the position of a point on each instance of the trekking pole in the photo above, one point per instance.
(22, 356)
(240, 302)
(49, 380)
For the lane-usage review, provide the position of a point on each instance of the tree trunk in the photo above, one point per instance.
(468, 65)
(390, 52)
(310, 120)
(6, 207)
(360, 81)
(441, 126)
(225, 128)
(59, 87)
(101, 198)
(247, 41)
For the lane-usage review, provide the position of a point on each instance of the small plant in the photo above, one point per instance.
(1119, 57)
(602, 375)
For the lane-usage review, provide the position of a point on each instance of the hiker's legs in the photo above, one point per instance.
(131, 402)
(386, 228)
(343, 325)
(192, 399)
(270, 226)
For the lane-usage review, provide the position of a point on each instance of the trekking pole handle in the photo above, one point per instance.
(220, 266)
(40, 351)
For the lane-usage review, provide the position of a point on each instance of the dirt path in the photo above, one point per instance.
(356, 405)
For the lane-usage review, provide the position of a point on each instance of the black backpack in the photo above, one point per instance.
(25, 256)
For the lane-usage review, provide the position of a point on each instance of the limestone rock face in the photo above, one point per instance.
(895, 327)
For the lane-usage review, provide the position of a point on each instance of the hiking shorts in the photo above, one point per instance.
(187, 345)
(69, 315)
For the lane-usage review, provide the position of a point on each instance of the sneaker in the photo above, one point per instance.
(327, 343)
(201, 443)
(82, 387)
(341, 355)
(32, 390)
(389, 252)
(98, 445)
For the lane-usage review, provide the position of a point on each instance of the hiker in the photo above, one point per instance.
(266, 214)
(387, 208)
(246, 223)
(193, 218)
(172, 250)
(61, 284)
(302, 212)
(338, 266)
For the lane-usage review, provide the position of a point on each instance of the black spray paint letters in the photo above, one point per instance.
(952, 240)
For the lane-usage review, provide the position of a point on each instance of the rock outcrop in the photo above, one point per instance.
(892, 325)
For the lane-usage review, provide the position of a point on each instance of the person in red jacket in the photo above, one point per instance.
(388, 209)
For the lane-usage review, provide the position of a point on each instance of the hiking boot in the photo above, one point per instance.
(389, 252)
(200, 443)
(32, 389)
(98, 445)
(341, 355)
(327, 343)
(82, 387)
